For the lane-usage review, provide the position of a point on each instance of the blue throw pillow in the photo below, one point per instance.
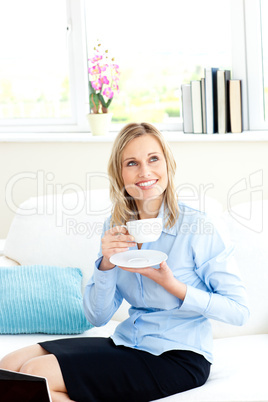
(41, 299)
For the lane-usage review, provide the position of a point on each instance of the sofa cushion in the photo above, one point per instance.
(44, 299)
(238, 374)
(248, 229)
(62, 230)
(9, 343)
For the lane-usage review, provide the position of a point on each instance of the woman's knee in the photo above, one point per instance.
(15, 360)
(9, 363)
(46, 366)
(31, 366)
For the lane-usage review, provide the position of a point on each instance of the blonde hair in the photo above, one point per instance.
(124, 206)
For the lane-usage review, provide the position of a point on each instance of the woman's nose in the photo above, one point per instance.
(144, 170)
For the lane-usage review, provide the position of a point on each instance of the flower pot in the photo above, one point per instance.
(99, 123)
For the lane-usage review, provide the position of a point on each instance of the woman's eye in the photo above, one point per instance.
(154, 158)
(134, 163)
(131, 163)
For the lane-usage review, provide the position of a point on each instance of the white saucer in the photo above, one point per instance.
(138, 258)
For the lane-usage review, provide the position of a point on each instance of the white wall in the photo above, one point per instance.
(222, 169)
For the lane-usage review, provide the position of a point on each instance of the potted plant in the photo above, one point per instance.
(103, 83)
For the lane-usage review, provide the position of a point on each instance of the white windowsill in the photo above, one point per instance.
(179, 136)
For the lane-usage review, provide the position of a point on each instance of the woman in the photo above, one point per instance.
(164, 347)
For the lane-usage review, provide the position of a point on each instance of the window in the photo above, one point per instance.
(158, 46)
(38, 83)
(34, 76)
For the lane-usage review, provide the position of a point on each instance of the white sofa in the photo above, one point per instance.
(65, 231)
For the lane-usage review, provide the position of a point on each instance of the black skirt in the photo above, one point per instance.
(95, 369)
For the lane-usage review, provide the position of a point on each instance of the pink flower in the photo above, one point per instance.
(97, 58)
(104, 80)
(94, 70)
(103, 76)
(108, 92)
(96, 85)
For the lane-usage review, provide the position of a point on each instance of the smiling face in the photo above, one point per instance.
(144, 173)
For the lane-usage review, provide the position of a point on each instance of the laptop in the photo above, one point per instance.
(19, 387)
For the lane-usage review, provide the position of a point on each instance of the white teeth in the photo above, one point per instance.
(147, 183)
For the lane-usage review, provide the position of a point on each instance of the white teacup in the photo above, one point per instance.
(145, 230)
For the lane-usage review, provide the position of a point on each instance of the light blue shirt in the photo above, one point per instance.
(199, 256)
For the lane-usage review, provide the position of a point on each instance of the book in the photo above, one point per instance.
(186, 108)
(235, 106)
(211, 100)
(20, 387)
(196, 107)
(203, 97)
(223, 76)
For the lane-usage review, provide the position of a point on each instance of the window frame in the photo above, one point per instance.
(77, 56)
(246, 65)
(239, 55)
(254, 63)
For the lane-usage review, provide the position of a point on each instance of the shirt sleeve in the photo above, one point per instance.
(101, 297)
(225, 298)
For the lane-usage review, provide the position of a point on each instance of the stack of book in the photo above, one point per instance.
(212, 104)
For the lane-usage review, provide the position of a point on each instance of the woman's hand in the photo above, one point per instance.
(164, 277)
(115, 240)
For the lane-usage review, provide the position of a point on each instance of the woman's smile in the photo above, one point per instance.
(146, 185)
